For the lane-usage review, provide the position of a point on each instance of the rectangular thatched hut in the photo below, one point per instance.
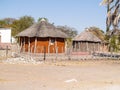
(42, 37)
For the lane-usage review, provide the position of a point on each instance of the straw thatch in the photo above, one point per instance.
(42, 29)
(86, 36)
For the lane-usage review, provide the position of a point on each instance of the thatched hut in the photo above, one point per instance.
(86, 42)
(42, 37)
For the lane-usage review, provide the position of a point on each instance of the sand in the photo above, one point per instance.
(61, 75)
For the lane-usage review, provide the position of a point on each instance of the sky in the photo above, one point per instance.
(78, 14)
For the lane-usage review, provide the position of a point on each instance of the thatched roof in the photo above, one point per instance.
(42, 29)
(86, 36)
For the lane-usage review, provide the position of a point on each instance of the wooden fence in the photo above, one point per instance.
(69, 54)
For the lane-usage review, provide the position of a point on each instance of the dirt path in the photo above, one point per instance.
(62, 75)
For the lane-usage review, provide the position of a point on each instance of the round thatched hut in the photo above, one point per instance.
(42, 37)
(86, 42)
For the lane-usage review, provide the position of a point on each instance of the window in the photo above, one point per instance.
(52, 41)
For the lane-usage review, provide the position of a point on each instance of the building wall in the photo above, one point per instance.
(5, 35)
(42, 45)
(47, 45)
(61, 45)
(84, 46)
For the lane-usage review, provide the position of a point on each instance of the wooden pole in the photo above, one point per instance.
(75, 46)
(84, 47)
(98, 47)
(35, 44)
(56, 52)
(56, 49)
(49, 47)
(55, 45)
(28, 44)
(87, 46)
(44, 53)
(24, 44)
(6, 52)
(80, 46)
(21, 46)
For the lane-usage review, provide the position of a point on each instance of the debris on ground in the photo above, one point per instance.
(71, 80)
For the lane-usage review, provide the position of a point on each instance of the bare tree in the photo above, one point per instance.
(113, 14)
(71, 32)
(113, 23)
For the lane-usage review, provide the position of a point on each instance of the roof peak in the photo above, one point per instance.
(43, 19)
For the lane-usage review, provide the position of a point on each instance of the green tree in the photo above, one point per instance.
(6, 22)
(21, 24)
(114, 43)
(2, 24)
(9, 21)
(71, 32)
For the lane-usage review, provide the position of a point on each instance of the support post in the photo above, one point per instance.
(81, 46)
(56, 52)
(44, 53)
(98, 47)
(75, 46)
(24, 45)
(49, 47)
(6, 52)
(87, 46)
(28, 44)
(21, 45)
(35, 44)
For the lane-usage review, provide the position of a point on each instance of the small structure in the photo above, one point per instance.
(5, 37)
(86, 42)
(42, 37)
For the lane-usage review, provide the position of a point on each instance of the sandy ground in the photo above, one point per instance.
(62, 75)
